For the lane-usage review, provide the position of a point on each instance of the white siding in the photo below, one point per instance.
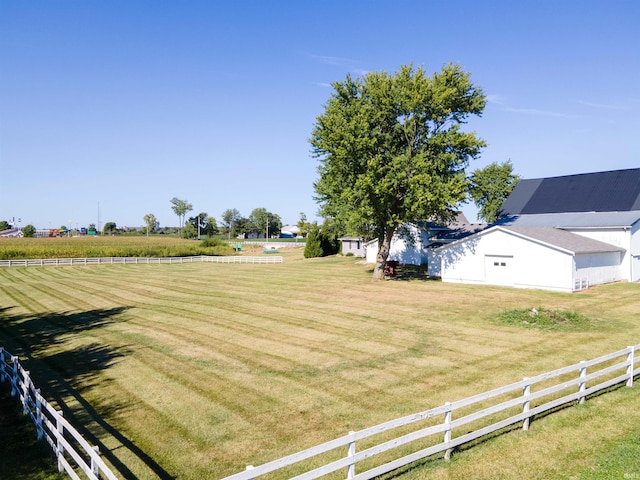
(614, 236)
(434, 262)
(597, 268)
(371, 251)
(528, 264)
(635, 252)
(402, 250)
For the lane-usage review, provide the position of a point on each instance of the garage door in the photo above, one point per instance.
(498, 270)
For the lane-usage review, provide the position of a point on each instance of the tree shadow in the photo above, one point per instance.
(65, 375)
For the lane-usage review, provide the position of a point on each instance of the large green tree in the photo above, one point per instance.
(391, 150)
(489, 188)
(180, 208)
(109, 228)
(262, 221)
(203, 224)
(29, 231)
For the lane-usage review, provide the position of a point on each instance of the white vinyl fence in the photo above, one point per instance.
(512, 404)
(429, 432)
(75, 455)
(39, 262)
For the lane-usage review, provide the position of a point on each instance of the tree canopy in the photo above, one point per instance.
(262, 221)
(151, 223)
(391, 149)
(490, 186)
(203, 224)
(230, 218)
(180, 208)
(29, 231)
(109, 227)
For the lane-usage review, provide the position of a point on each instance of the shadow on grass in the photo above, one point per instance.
(412, 272)
(65, 375)
(22, 455)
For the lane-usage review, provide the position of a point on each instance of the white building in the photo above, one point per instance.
(561, 233)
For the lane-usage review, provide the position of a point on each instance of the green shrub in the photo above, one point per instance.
(544, 318)
(212, 242)
(313, 247)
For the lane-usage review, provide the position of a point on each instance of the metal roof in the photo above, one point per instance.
(574, 220)
(612, 191)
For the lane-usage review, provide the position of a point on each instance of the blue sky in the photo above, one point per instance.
(115, 107)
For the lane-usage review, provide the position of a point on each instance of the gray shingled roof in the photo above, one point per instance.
(555, 237)
(568, 241)
(612, 191)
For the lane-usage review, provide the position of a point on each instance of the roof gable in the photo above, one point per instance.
(613, 191)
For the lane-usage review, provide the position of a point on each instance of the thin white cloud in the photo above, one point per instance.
(495, 98)
(608, 106)
(329, 60)
(348, 64)
(542, 113)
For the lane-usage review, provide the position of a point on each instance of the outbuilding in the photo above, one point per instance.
(528, 257)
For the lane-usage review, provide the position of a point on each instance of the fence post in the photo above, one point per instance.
(2, 364)
(351, 451)
(94, 464)
(25, 393)
(630, 359)
(447, 432)
(59, 445)
(39, 414)
(14, 378)
(582, 384)
(249, 467)
(526, 390)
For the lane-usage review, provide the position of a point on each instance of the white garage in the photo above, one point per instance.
(528, 257)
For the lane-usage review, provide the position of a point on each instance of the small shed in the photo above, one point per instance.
(353, 245)
(528, 257)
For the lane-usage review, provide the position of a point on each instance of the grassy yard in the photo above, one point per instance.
(194, 371)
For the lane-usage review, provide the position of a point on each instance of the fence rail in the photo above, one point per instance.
(40, 262)
(74, 454)
(573, 383)
(614, 368)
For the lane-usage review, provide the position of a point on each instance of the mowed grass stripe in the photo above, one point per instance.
(211, 367)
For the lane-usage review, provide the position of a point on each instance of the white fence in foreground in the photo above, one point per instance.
(555, 389)
(571, 386)
(73, 452)
(39, 262)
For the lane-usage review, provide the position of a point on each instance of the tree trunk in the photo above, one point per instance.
(384, 245)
